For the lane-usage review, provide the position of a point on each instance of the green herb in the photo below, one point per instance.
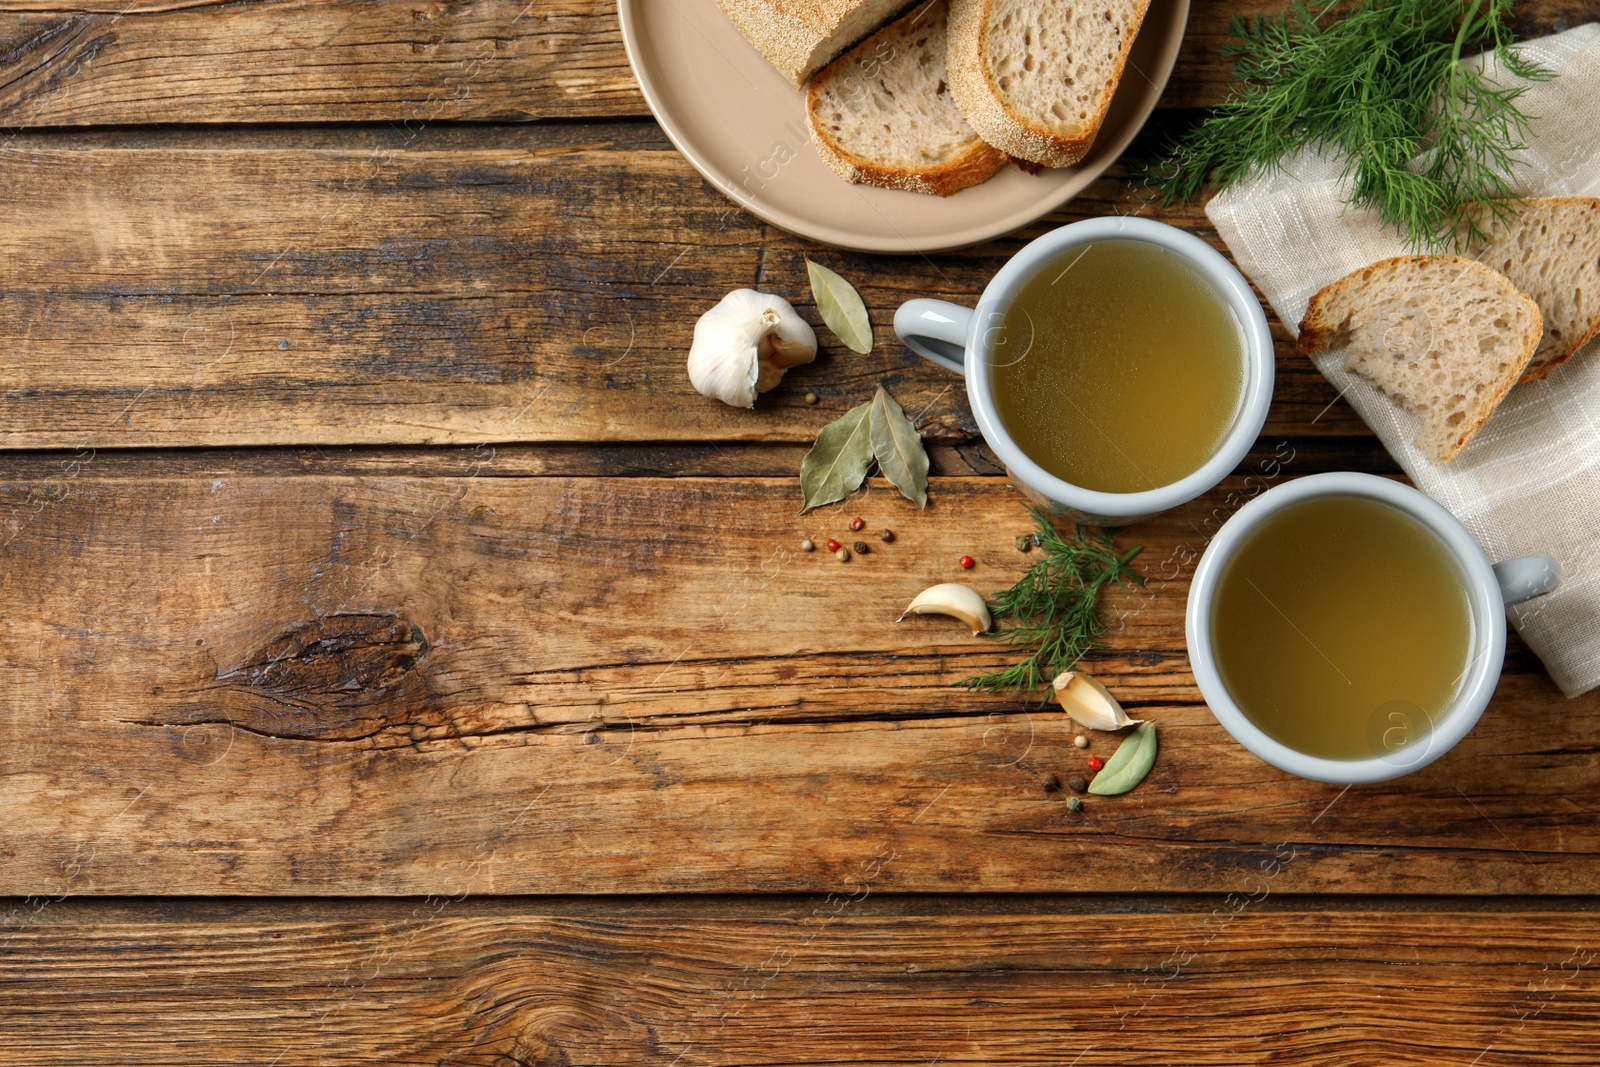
(1129, 764)
(846, 448)
(1054, 608)
(841, 308)
(1380, 84)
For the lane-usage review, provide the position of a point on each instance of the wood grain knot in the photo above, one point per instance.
(336, 677)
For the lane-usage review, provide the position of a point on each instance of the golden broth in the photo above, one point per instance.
(1336, 621)
(1121, 368)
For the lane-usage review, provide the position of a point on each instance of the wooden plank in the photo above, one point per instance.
(328, 685)
(102, 62)
(404, 61)
(540, 286)
(820, 984)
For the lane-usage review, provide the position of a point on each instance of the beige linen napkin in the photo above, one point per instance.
(1530, 480)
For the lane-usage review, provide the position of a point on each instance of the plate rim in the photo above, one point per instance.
(804, 227)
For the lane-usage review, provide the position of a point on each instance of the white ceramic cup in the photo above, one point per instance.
(964, 341)
(1405, 737)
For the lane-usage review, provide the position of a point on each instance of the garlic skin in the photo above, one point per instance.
(744, 344)
(955, 600)
(1088, 703)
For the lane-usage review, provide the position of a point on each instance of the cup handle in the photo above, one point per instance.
(1526, 577)
(935, 330)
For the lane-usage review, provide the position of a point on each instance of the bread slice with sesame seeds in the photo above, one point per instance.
(800, 37)
(1035, 77)
(882, 114)
(1550, 249)
(1445, 336)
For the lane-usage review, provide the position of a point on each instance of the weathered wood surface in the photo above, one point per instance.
(584, 657)
(357, 685)
(406, 61)
(511, 284)
(819, 983)
(104, 62)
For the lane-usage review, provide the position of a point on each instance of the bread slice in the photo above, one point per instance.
(800, 37)
(1551, 251)
(1445, 336)
(882, 114)
(1035, 77)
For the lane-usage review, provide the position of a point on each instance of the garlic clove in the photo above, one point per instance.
(1089, 703)
(743, 346)
(955, 600)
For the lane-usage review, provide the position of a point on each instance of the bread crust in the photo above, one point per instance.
(797, 38)
(996, 121)
(1320, 330)
(975, 165)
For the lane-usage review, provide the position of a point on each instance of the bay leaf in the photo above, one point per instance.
(1128, 764)
(837, 463)
(841, 308)
(898, 448)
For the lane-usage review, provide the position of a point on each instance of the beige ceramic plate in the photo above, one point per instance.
(744, 128)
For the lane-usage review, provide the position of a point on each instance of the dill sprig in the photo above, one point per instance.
(1380, 83)
(1054, 607)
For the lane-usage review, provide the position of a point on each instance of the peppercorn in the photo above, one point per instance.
(1095, 763)
(843, 555)
(886, 536)
(1050, 782)
(862, 548)
(967, 563)
(811, 398)
(1074, 804)
(833, 546)
(807, 546)
(1024, 543)
(1078, 783)
(1081, 741)
(857, 523)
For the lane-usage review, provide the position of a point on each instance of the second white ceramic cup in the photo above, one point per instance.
(1405, 738)
(964, 340)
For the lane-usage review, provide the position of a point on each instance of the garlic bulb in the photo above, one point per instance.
(1089, 703)
(744, 344)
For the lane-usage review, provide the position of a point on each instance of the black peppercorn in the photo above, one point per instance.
(1078, 783)
(862, 548)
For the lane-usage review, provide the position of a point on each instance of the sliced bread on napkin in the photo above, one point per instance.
(1551, 251)
(1035, 78)
(882, 114)
(800, 37)
(1445, 336)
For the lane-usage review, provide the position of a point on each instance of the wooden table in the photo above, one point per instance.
(402, 664)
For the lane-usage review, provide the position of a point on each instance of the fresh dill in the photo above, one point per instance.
(1054, 608)
(1380, 83)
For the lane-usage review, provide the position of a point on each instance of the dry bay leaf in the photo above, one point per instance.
(1128, 764)
(841, 308)
(838, 462)
(898, 448)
